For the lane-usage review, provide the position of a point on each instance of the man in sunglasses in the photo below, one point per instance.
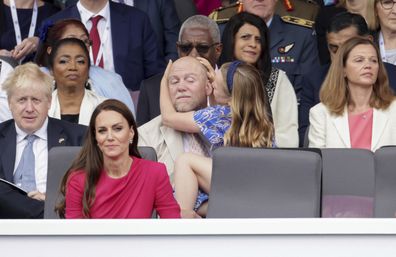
(199, 36)
(342, 27)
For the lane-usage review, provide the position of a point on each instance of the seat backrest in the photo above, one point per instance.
(148, 153)
(59, 161)
(264, 183)
(385, 182)
(347, 182)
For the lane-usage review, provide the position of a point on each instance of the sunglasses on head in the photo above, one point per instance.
(186, 48)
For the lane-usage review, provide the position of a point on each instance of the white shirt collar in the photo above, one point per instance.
(87, 14)
(41, 132)
(269, 22)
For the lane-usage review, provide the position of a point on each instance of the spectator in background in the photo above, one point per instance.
(110, 162)
(199, 36)
(163, 18)
(357, 106)
(72, 99)
(292, 46)
(26, 140)
(19, 29)
(342, 27)
(245, 38)
(327, 12)
(385, 13)
(104, 83)
(122, 39)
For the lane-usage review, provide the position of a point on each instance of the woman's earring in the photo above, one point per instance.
(130, 141)
(88, 84)
(53, 85)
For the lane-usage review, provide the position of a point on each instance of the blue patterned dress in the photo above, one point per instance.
(214, 123)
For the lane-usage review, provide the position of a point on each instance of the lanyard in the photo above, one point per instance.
(15, 21)
(382, 46)
(103, 39)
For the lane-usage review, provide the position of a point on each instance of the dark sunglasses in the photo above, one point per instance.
(186, 48)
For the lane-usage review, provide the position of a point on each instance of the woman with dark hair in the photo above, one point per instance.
(245, 38)
(19, 23)
(72, 99)
(109, 179)
(105, 83)
(357, 106)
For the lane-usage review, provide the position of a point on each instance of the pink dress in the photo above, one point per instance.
(360, 129)
(145, 188)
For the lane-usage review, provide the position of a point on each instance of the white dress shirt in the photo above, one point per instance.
(127, 2)
(104, 29)
(40, 150)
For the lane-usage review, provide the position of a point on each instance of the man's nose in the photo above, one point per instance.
(29, 105)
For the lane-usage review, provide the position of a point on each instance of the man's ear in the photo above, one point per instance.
(370, 37)
(49, 49)
(218, 49)
(208, 88)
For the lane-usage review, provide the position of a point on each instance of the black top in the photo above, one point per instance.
(72, 118)
(7, 35)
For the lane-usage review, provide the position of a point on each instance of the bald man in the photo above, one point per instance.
(189, 92)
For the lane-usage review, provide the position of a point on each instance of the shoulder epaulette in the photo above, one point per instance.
(223, 14)
(298, 21)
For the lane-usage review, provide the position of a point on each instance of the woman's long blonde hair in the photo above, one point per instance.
(251, 125)
(334, 93)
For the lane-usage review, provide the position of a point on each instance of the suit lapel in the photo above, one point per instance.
(276, 31)
(173, 140)
(380, 120)
(8, 156)
(118, 29)
(56, 137)
(342, 126)
(75, 13)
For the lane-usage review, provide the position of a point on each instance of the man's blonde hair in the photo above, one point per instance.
(24, 75)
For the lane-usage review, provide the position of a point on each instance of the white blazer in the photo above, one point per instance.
(285, 113)
(88, 105)
(329, 131)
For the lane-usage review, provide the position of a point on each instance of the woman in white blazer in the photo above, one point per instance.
(357, 108)
(72, 99)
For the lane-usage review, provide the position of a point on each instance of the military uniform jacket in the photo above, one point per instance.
(293, 50)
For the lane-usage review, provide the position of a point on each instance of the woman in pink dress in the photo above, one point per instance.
(108, 179)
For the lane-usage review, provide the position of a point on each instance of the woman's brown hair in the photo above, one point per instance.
(90, 158)
(334, 93)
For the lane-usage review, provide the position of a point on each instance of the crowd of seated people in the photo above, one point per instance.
(92, 73)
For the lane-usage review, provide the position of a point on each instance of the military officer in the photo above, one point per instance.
(305, 9)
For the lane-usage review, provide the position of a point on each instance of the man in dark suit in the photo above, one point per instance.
(29, 97)
(342, 27)
(134, 52)
(164, 21)
(199, 36)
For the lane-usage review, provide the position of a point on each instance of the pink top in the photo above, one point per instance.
(146, 187)
(360, 129)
